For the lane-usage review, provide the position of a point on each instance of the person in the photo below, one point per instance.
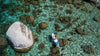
(54, 37)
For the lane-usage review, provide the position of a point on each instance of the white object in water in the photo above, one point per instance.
(55, 39)
(19, 35)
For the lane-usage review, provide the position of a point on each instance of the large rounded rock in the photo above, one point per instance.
(3, 43)
(20, 37)
(43, 25)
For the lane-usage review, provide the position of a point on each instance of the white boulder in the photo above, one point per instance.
(20, 37)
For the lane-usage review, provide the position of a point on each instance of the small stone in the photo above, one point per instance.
(26, 4)
(67, 19)
(80, 31)
(72, 33)
(84, 9)
(70, 39)
(39, 11)
(44, 15)
(46, 6)
(3, 43)
(61, 19)
(61, 8)
(74, 3)
(43, 25)
(30, 19)
(35, 2)
(50, 19)
(20, 37)
(41, 46)
(12, 13)
(57, 27)
(64, 19)
(52, 0)
(88, 49)
(63, 42)
(34, 24)
(90, 11)
(55, 6)
(23, 19)
(69, 11)
(77, 7)
(79, 3)
(39, 0)
(55, 55)
(38, 30)
(27, 10)
(96, 19)
(54, 51)
(36, 40)
(69, 1)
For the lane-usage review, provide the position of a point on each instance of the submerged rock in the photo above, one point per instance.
(70, 39)
(54, 51)
(30, 19)
(27, 10)
(57, 27)
(74, 3)
(34, 24)
(43, 25)
(67, 19)
(64, 19)
(23, 18)
(3, 43)
(38, 30)
(61, 2)
(69, 11)
(20, 37)
(63, 42)
(84, 9)
(69, 1)
(41, 46)
(80, 31)
(88, 49)
(96, 19)
(35, 3)
(36, 39)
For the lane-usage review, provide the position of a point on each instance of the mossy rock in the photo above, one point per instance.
(88, 49)
(41, 46)
(54, 51)
(63, 42)
(80, 31)
(43, 25)
(96, 19)
(3, 43)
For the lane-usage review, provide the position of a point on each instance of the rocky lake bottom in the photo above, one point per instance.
(75, 22)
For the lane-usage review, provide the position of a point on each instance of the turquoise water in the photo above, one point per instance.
(50, 14)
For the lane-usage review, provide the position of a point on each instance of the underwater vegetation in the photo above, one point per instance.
(75, 22)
